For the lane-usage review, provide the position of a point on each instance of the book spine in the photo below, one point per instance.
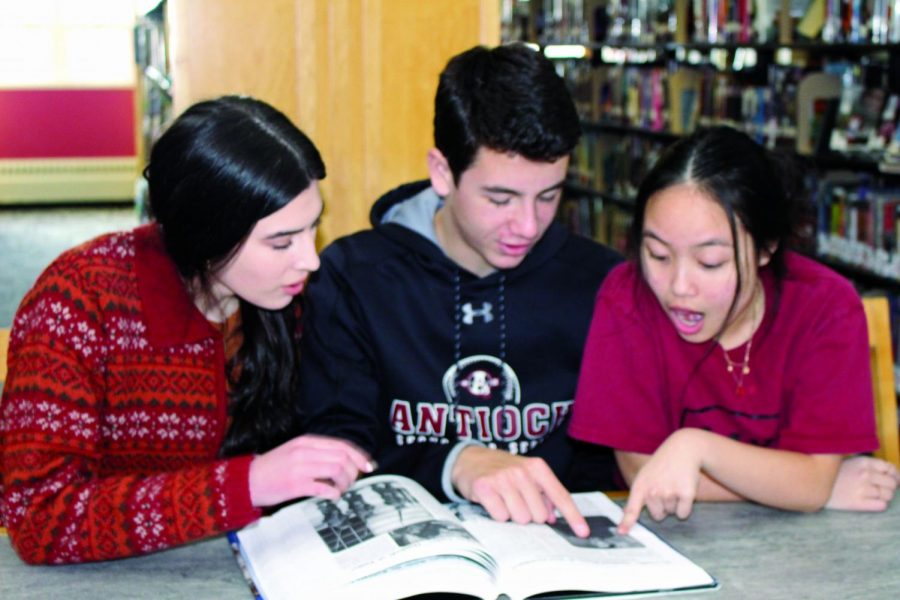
(712, 21)
(235, 545)
(894, 29)
(879, 22)
(744, 20)
(855, 25)
(698, 31)
(832, 26)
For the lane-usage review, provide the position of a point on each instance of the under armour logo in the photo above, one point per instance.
(470, 313)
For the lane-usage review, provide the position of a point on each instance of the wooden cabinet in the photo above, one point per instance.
(358, 76)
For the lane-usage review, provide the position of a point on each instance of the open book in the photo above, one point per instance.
(389, 538)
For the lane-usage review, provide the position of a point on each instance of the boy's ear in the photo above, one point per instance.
(439, 173)
(765, 254)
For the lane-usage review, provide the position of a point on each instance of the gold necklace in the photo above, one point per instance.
(739, 370)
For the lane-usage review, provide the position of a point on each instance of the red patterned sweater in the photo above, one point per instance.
(114, 410)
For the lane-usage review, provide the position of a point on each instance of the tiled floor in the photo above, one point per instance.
(30, 238)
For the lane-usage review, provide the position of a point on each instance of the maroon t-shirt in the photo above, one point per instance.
(809, 388)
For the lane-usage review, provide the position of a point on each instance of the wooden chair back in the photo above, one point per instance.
(882, 363)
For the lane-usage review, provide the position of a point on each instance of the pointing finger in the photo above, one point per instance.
(631, 512)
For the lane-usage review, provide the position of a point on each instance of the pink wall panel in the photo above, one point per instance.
(67, 123)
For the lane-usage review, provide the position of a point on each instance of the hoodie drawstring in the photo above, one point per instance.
(457, 337)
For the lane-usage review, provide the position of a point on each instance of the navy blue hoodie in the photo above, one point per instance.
(413, 357)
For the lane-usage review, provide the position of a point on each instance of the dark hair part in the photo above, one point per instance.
(221, 166)
(507, 99)
(746, 180)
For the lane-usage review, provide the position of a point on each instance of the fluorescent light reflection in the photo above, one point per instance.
(561, 51)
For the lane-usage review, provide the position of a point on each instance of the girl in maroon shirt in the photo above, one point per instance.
(719, 364)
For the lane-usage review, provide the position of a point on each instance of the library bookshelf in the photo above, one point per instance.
(819, 86)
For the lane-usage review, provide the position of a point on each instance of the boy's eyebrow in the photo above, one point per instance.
(704, 244)
(295, 231)
(499, 189)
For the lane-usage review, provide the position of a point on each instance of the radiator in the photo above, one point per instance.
(51, 180)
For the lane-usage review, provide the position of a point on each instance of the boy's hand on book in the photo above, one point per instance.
(666, 484)
(518, 488)
(864, 483)
(308, 465)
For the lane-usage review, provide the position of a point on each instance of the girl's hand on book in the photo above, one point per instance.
(521, 489)
(864, 483)
(667, 483)
(308, 465)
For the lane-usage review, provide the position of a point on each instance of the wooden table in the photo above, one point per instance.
(755, 553)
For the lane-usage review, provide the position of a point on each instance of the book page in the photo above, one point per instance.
(550, 558)
(382, 526)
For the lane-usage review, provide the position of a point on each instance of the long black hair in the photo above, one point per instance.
(221, 166)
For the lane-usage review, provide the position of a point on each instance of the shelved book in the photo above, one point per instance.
(388, 538)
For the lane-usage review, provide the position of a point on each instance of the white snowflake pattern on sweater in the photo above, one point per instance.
(148, 517)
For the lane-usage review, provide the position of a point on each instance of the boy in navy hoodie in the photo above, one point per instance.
(446, 341)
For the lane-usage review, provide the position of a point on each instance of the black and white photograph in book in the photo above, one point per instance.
(368, 511)
(603, 529)
(428, 530)
(603, 534)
